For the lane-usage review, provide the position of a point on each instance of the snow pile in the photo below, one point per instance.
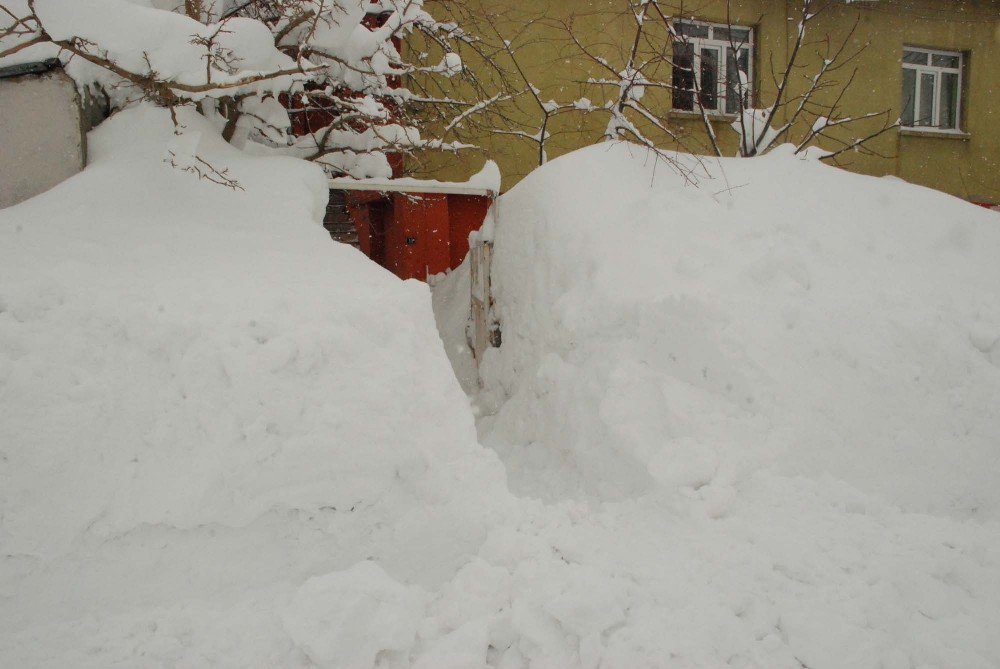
(788, 316)
(206, 403)
(226, 441)
(765, 409)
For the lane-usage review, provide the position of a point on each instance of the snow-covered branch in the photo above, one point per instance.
(337, 66)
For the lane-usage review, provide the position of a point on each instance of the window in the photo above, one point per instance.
(932, 89)
(712, 61)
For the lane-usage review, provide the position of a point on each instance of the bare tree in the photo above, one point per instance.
(813, 112)
(641, 81)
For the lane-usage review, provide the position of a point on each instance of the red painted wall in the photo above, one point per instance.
(414, 235)
(466, 215)
(416, 239)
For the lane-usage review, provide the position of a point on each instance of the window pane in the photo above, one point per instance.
(683, 80)
(909, 95)
(691, 29)
(914, 57)
(925, 113)
(949, 100)
(710, 78)
(938, 60)
(736, 36)
(737, 79)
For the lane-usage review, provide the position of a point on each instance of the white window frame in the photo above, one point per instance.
(936, 71)
(710, 42)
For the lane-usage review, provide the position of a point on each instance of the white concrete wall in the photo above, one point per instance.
(41, 137)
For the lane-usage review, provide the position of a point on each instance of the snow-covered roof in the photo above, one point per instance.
(486, 183)
(409, 186)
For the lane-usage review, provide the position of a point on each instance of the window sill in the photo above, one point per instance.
(937, 134)
(696, 116)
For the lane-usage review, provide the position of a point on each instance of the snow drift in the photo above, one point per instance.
(205, 403)
(781, 314)
(767, 407)
(227, 442)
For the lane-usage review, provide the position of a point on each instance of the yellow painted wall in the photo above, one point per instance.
(967, 166)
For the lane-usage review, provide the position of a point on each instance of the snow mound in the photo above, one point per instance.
(764, 410)
(782, 315)
(206, 402)
(228, 442)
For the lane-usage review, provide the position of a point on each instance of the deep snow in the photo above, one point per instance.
(204, 404)
(776, 397)
(783, 314)
(227, 441)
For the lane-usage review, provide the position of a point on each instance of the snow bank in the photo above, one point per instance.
(227, 442)
(765, 410)
(782, 314)
(205, 403)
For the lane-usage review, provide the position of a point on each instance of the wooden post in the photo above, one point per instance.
(485, 328)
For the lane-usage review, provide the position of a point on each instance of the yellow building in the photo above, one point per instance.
(932, 64)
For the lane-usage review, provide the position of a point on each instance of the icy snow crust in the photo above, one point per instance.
(227, 442)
